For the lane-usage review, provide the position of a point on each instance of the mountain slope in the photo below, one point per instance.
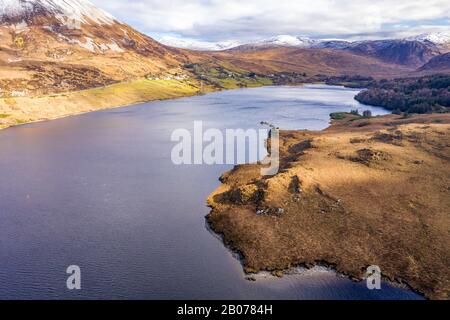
(53, 46)
(411, 52)
(197, 45)
(439, 64)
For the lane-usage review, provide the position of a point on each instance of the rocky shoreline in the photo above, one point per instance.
(361, 192)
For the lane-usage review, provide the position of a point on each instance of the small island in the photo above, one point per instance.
(365, 191)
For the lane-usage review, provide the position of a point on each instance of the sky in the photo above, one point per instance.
(248, 20)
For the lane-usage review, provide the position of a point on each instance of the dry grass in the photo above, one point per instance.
(24, 109)
(348, 199)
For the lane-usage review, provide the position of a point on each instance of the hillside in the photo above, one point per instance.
(410, 95)
(402, 52)
(439, 64)
(52, 46)
(411, 52)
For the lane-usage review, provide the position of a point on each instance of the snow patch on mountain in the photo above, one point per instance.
(439, 39)
(196, 44)
(63, 10)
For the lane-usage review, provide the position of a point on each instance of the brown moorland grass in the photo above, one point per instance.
(350, 196)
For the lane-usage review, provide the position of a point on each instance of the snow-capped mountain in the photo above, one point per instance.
(76, 10)
(72, 21)
(64, 45)
(280, 41)
(402, 52)
(193, 44)
(440, 40)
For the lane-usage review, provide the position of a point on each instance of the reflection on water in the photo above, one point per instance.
(99, 191)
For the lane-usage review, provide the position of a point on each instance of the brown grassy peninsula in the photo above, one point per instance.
(362, 192)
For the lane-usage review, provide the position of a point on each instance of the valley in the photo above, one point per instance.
(20, 110)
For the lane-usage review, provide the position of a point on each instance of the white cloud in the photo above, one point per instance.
(250, 19)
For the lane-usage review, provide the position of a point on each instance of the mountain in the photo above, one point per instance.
(274, 42)
(333, 44)
(278, 41)
(192, 44)
(310, 61)
(27, 10)
(412, 52)
(402, 52)
(439, 64)
(439, 39)
(66, 45)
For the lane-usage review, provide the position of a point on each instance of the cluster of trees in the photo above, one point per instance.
(354, 81)
(410, 95)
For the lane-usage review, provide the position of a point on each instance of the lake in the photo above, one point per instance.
(100, 191)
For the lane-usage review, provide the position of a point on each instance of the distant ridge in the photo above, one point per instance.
(439, 64)
(52, 46)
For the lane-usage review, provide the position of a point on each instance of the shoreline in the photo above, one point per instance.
(277, 243)
(25, 110)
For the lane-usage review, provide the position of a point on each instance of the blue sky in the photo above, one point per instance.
(244, 20)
